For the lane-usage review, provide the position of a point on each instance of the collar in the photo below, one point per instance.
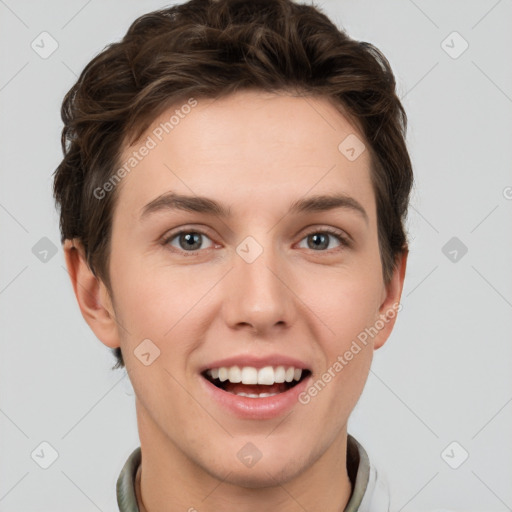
(369, 489)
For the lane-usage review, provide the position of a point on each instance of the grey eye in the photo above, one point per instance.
(189, 241)
(320, 241)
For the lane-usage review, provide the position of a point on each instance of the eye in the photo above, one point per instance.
(321, 240)
(188, 241)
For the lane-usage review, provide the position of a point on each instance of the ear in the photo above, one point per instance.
(390, 305)
(92, 295)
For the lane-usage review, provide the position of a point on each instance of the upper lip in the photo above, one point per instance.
(256, 362)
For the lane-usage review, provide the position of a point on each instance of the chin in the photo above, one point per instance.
(276, 468)
(268, 476)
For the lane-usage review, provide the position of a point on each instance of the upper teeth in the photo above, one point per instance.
(249, 375)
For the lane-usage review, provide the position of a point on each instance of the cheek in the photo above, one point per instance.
(347, 310)
(146, 292)
(345, 303)
(165, 305)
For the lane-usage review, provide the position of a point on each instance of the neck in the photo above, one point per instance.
(168, 481)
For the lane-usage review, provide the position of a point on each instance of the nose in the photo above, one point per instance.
(258, 295)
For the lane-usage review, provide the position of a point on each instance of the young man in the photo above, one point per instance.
(233, 194)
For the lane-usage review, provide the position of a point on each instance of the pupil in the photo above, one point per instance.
(319, 240)
(191, 240)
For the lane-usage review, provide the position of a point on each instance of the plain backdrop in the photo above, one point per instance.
(439, 391)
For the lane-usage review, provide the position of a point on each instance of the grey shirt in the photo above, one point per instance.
(369, 489)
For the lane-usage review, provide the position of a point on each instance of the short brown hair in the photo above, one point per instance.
(211, 48)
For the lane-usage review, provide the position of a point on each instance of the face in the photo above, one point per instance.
(244, 252)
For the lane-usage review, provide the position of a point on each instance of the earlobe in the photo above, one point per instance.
(91, 294)
(390, 305)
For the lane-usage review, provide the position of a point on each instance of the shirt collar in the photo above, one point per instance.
(358, 468)
(126, 483)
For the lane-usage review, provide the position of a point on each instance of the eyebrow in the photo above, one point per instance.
(321, 203)
(199, 204)
(173, 201)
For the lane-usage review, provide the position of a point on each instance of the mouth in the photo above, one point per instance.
(252, 382)
(253, 388)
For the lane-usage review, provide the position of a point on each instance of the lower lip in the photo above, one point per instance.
(257, 408)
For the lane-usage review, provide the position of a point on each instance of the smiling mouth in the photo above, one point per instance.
(251, 382)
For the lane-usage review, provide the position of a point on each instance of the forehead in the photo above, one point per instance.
(252, 145)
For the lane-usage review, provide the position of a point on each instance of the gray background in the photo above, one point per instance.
(444, 375)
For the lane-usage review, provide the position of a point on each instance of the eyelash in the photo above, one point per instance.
(338, 235)
(342, 238)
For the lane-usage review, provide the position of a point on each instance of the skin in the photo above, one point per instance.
(256, 153)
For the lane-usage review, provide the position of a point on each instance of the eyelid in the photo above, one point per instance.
(344, 238)
(172, 234)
